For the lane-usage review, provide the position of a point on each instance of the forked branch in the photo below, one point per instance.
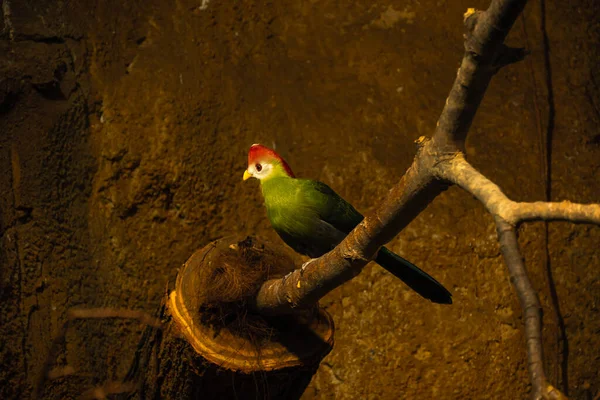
(457, 170)
(438, 163)
(486, 32)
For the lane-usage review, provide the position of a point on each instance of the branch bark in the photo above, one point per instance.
(438, 163)
(303, 287)
(530, 304)
(486, 32)
(457, 170)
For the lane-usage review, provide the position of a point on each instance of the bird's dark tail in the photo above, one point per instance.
(417, 279)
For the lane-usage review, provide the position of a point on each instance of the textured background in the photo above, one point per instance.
(124, 127)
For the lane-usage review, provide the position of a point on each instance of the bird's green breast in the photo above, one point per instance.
(291, 206)
(308, 215)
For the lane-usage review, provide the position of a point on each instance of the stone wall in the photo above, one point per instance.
(124, 128)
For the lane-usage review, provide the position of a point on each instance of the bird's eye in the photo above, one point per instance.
(258, 167)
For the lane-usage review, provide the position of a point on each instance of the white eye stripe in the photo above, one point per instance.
(265, 169)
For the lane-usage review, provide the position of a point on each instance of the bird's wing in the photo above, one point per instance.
(323, 238)
(341, 216)
(333, 209)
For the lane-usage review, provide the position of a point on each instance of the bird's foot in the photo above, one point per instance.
(306, 264)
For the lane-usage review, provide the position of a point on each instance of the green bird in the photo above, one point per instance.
(312, 219)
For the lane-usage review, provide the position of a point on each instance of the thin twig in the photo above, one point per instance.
(530, 304)
(564, 210)
(102, 312)
(457, 170)
(108, 388)
(84, 313)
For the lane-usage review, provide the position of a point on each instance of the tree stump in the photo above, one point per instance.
(213, 346)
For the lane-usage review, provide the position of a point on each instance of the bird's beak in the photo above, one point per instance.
(247, 175)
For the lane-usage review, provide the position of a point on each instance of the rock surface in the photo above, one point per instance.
(124, 128)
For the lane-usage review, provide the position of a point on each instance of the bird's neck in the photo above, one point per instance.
(275, 181)
(275, 185)
(278, 171)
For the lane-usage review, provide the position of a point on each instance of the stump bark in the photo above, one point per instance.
(213, 346)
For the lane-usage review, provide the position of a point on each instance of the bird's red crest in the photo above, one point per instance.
(260, 153)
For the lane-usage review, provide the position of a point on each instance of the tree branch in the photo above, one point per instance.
(485, 35)
(418, 187)
(564, 210)
(439, 162)
(530, 304)
(306, 286)
(457, 170)
(121, 313)
(85, 313)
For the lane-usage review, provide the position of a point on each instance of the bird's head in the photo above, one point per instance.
(264, 163)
